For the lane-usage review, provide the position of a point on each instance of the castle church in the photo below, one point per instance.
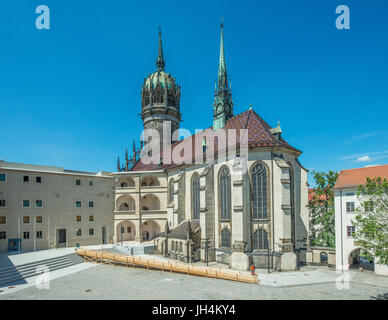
(212, 210)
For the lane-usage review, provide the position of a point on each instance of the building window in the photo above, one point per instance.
(3, 235)
(3, 203)
(26, 235)
(39, 219)
(368, 206)
(181, 246)
(39, 234)
(349, 194)
(171, 191)
(122, 229)
(225, 238)
(195, 197)
(128, 229)
(26, 203)
(38, 203)
(78, 203)
(78, 182)
(78, 232)
(91, 204)
(259, 192)
(38, 179)
(3, 220)
(225, 194)
(91, 218)
(26, 178)
(78, 219)
(3, 177)
(91, 183)
(260, 239)
(349, 206)
(91, 232)
(26, 219)
(350, 231)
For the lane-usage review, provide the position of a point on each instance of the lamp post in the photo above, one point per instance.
(207, 250)
(121, 235)
(167, 230)
(268, 260)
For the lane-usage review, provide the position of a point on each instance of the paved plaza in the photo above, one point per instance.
(95, 281)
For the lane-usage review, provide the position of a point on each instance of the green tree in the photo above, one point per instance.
(371, 220)
(321, 205)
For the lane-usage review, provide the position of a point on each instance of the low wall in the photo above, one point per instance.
(315, 255)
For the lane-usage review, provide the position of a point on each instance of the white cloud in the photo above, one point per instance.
(363, 155)
(364, 159)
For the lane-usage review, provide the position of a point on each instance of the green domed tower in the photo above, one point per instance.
(160, 99)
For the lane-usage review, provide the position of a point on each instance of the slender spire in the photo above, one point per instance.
(118, 164)
(126, 160)
(160, 60)
(134, 152)
(222, 74)
(223, 105)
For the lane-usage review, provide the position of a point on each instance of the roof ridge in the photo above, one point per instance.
(363, 168)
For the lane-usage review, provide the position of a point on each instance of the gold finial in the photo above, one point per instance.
(250, 106)
(222, 21)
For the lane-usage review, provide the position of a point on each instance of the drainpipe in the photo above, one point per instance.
(342, 239)
(273, 203)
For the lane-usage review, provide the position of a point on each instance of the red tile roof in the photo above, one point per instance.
(259, 135)
(354, 177)
(312, 193)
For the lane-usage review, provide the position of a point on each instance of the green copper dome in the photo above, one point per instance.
(165, 80)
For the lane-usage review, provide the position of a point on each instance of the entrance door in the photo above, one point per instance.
(61, 238)
(104, 235)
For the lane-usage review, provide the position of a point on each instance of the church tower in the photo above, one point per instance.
(160, 99)
(223, 105)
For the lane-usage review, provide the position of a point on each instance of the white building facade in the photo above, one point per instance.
(346, 204)
(51, 207)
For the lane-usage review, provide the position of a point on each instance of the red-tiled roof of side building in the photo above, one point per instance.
(351, 178)
(259, 135)
(312, 193)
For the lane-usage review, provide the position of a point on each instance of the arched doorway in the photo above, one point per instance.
(354, 257)
(149, 230)
(125, 231)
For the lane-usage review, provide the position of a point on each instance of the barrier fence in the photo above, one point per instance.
(165, 266)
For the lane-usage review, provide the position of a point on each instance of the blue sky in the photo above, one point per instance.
(70, 96)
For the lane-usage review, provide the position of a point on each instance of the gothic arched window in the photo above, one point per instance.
(259, 192)
(157, 96)
(260, 239)
(195, 196)
(225, 194)
(171, 191)
(225, 238)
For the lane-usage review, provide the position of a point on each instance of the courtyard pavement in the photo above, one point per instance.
(115, 282)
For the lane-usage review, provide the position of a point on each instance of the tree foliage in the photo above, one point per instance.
(371, 220)
(321, 205)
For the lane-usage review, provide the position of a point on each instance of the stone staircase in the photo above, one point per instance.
(18, 274)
